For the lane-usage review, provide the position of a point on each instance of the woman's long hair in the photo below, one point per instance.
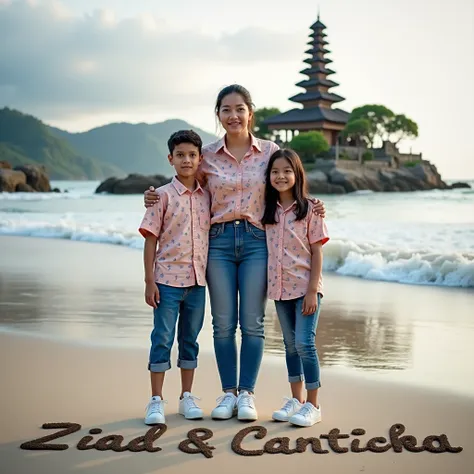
(300, 189)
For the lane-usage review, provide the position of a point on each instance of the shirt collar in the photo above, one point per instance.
(181, 188)
(254, 143)
(280, 207)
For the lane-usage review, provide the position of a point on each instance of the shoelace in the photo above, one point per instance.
(288, 405)
(222, 400)
(156, 406)
(246, 400)
(190, 401)
(305, 410)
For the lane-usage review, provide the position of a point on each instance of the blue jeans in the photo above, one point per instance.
(299, 334)
(237, 280)
(189, 303)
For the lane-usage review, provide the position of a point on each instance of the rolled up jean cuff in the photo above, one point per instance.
(187, 364)
(160, 367)
(296, 378)
(312, 385)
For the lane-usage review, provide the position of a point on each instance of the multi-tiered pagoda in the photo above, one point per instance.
(317, 112)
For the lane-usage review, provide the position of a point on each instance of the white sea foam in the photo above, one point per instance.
(366, 260)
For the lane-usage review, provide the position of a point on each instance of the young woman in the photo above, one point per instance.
(233, 171)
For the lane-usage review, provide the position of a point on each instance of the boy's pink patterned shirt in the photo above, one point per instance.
(289, 252)
(181, 221)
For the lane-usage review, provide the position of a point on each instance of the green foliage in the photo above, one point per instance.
(260, 115)
(367, 156)
(377, 116)
(383, 123)
(358, 130)
(411, 164)
(26, 140)
(309, 145)
(400, 127)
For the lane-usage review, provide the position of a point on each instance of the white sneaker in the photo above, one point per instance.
(155, 411)
(291, 406)
(246, 410)
(308, 415)
(226, 407)
(188, 407)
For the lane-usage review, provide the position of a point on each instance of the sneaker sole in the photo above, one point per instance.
(305, 426)
(279, 418)
(247, 418)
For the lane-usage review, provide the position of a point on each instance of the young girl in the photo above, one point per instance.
(295, 236)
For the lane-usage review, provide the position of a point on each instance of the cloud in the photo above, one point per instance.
(52, 60)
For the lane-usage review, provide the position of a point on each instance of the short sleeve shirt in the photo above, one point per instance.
(180, 220)
(289, 252)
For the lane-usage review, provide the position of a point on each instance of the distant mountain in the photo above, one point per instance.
(26, 140)
(134, 148)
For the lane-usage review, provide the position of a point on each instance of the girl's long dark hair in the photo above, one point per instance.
(300, 189)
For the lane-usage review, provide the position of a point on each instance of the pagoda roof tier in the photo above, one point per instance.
(318, 34)
(315, 60)
(317, 48)
(318, 25)
(317, 82)
(317, 69)
(318, 95)
(312, 114)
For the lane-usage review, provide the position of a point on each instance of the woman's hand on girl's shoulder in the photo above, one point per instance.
(151, 197)
(318, 207)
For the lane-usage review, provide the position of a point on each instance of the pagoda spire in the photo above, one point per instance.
(317, 85)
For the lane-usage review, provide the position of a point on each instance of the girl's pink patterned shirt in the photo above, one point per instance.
(289, 252)
(181, 221)
(237, 189)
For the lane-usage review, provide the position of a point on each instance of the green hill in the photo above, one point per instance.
(134, 148)
(24, 140)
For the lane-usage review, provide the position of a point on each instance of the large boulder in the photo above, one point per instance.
(5, 165)
(10, 180)
(132, 184)
(36, 177)
(460, 185)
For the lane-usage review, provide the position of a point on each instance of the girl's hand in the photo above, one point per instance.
(310, 303)
(151, 198)
(318, 207)
(152, 295)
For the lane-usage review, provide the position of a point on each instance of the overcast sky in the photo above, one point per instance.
(77, 64)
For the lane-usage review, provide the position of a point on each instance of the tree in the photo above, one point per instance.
(358, 130)
(260, 129)
(402, 128)
(378, 116)
(309, 144)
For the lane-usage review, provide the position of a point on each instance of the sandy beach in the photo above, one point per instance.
(74, 341)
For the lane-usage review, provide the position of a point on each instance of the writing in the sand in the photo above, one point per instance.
(196, 441)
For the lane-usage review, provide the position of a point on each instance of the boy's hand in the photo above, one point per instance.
(310, 303)
(151, 198)
(152, 295)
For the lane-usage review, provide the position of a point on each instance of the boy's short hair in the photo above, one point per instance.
(184, 136)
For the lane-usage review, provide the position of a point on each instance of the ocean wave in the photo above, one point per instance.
(43, 196)
(374, 262)
(367, 260)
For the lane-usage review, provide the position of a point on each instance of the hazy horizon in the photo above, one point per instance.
(79, 64)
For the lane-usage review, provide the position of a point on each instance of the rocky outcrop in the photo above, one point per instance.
(26, 178)
(338, 179)
(132, 184)
(460, 185)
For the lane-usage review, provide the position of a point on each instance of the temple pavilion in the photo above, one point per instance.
(317, 100)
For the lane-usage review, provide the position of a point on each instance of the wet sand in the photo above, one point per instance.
(92, 294)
